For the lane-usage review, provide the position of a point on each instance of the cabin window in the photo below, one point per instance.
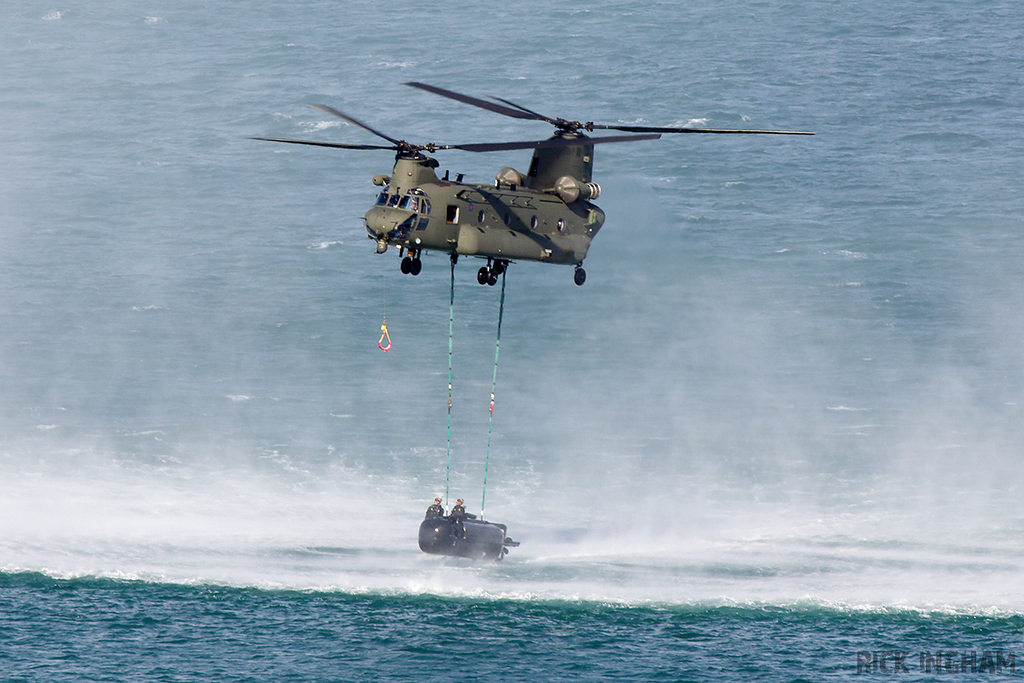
(533, 222)
(452, 216)
(508, 219)
(561, 225)
(481, 216)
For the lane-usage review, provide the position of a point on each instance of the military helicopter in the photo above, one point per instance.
(546, 215)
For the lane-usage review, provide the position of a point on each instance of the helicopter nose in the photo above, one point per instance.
(376, 221)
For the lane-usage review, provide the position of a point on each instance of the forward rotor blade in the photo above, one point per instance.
(658, 129)
(502, 146)
(483, 104)
(336, 145)
(346, 117)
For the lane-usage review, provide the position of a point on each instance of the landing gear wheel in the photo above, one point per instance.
(580, 276)
(416, 267)
(481, 276)
(406, 265)
(492, 278)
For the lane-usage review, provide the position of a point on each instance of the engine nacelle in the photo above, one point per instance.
(510, 177)
(570, 190)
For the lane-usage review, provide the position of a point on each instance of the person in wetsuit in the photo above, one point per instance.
(456, 516)
(435, 510)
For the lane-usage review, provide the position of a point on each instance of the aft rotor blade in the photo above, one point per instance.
(658, 129)
(483, 104)
(337, 145)
(520, 107)
(550, 143)
(517, 111)
(622, 138)
(346, 117)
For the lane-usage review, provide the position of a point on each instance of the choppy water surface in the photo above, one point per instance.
(779, 426)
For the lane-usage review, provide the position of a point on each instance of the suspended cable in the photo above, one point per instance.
(451, 321)
(494, 384)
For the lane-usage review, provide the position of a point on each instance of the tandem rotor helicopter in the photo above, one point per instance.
(546, 215)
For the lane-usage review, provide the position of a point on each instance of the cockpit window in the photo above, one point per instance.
(382, 199)
(419, 204)
(393, 200)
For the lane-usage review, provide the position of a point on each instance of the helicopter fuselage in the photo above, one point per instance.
(509, 220)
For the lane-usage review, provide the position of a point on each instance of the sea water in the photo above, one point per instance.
(777, 435)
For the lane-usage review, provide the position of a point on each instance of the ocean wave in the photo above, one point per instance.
(428, 588)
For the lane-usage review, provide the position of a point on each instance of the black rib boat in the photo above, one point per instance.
(476, 539)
